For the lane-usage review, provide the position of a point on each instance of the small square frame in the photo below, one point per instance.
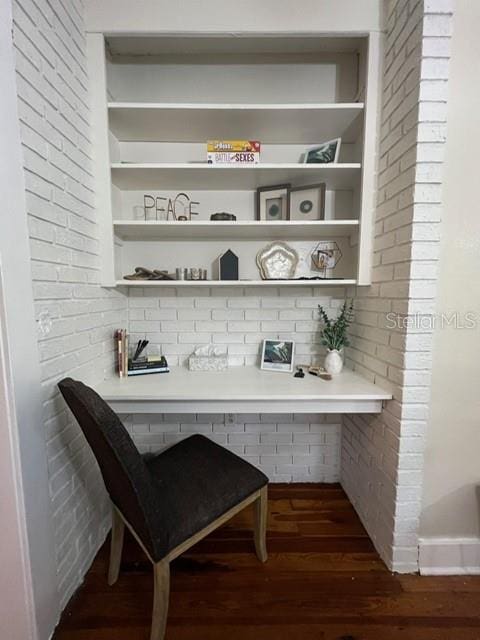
(317, 212)
(279, 192)
(285, 366)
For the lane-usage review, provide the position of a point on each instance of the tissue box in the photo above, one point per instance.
(208, 363)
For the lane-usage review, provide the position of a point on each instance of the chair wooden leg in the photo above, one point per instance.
(116, 546)
(260, 526)
(161, 594)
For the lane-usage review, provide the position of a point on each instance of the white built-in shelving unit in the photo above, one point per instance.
(157, 100)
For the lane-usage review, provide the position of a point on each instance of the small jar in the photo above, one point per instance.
(195, 274)
(181, 273)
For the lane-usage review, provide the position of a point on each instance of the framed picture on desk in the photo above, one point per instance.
(277, 355)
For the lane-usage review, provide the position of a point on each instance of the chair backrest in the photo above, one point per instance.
(126, 476)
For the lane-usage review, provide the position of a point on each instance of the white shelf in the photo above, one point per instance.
(239, 230)
(270, 123)
(219, 44)
(235, 283)
(190, 176)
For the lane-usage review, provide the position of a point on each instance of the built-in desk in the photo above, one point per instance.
(241, 390)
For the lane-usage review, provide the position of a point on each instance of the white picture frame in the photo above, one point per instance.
(330, 148)
(278, 355)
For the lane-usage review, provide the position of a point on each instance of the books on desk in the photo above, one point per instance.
(151, 364)
(137, 364)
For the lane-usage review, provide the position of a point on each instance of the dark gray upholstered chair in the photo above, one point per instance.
(169, 501)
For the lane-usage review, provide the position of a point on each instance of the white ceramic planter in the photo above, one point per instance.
(333, 362)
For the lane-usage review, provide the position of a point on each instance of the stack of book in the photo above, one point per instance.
(138, 364)
(233, 152)
(149, 364)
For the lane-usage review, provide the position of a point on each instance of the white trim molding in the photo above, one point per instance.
(449, 556)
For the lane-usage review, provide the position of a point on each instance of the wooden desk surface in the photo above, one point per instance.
(241, 389)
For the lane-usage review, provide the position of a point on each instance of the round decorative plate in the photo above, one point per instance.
(277, 261)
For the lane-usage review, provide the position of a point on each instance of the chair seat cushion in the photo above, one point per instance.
(197, 482)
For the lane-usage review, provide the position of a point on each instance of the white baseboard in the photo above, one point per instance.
(449, 556)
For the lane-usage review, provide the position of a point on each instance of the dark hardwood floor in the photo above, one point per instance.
(323, 581)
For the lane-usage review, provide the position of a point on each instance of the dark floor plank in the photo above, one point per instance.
(323, 580)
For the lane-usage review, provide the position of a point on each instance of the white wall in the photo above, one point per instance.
(16, 604)
(452, 469)
(382, 457)
(287, 447)
(21, 367)
(53, 109)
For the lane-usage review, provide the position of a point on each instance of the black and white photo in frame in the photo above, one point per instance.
(324, 153)
(277, 355)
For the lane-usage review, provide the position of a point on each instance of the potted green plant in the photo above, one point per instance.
(334, 336)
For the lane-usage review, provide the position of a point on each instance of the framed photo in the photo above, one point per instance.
(323, 153)
(273, 203)
(277, 355)
(308, 203)
(326, 259)
(326, 255)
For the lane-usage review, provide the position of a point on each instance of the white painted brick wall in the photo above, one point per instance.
(382, 456)
(235, 319)
(287, 448)
(54, 116)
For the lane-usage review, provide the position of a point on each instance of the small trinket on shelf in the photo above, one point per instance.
(223, 217)
(142, 273)
(228, 266)
(208, 358)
